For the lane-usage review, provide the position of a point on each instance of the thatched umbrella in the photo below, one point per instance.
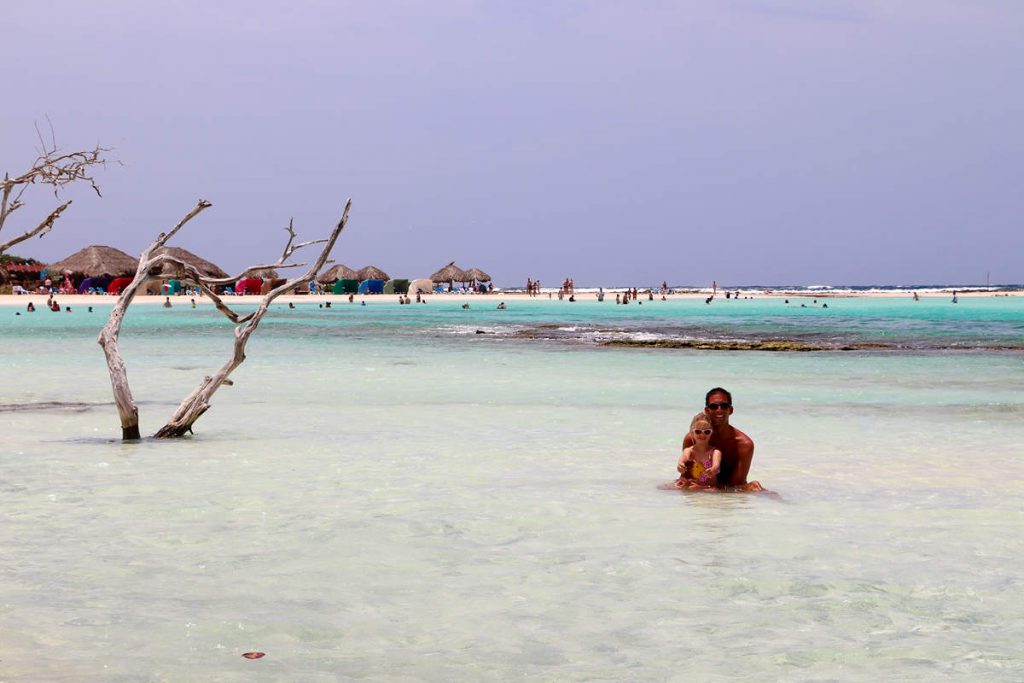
(478, 275)
(264, 273)
(96, 261)
(372, 273)
(172, 270)
(450, 273)
(337, 272)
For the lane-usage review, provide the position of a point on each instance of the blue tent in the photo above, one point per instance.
(371, 287)
(99, 283)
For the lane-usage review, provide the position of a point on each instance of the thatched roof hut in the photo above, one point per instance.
(450, 273)
(337, 272)
(96, 261)
(372, 273)
(264, 273)
(478, 275)
(172, 270)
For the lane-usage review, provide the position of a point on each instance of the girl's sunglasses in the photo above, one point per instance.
(702, 431)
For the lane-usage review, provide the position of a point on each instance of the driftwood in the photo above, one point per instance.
(56, 169)
(198, 402)
(126, 406)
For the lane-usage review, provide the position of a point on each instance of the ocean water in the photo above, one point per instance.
(407, 493)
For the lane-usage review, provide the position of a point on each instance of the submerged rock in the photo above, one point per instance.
(777, 345)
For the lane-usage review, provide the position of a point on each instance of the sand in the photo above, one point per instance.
(85, 300)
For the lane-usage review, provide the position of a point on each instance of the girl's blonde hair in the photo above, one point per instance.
(700, 418)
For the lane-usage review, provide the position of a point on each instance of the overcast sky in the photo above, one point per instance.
(747, 141)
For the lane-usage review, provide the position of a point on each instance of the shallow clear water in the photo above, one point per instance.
(386, 495)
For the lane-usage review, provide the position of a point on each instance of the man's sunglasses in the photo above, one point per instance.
(719, 406)
(702, 431)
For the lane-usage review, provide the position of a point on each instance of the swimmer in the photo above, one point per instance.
(700, 463)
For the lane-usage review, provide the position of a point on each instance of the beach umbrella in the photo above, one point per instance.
(337, 272)
(97, 260)
(263, 273)
(172, 270)
(478, 275)
(450, 273)
(372, 273)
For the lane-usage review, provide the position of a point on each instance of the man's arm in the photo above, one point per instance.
(744, 458)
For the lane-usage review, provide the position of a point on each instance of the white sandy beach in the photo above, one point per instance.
(79, 300)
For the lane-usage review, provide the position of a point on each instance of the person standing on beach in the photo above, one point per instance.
(737, 448)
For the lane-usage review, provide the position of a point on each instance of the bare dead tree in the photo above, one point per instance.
(198, 402)
(54, 168)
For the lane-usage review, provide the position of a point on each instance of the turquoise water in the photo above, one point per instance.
(386, 494)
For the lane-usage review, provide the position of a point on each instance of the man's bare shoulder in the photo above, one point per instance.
(742, 440)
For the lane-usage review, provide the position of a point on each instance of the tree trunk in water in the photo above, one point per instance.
(126, 407)
(198, 402)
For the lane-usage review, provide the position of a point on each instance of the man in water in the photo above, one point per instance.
(737, 448)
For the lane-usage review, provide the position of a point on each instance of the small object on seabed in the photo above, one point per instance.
(254, 655)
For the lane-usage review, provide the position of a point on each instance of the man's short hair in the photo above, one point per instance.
(717, 390)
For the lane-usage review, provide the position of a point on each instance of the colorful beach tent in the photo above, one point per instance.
(97, 283)
(347, 286)
(249, 285)
(371, 287)
(421, 286)
(396, 286)
(117, 284)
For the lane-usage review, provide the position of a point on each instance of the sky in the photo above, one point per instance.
(773, 142)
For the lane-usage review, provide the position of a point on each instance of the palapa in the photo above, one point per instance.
(478, 275)
(450, 273)
(337, 272)
(262, 273)
(372, 273)
(173, 270)
(96, 261)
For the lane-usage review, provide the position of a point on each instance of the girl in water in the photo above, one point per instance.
(699, 464)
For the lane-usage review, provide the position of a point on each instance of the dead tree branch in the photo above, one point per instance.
(126, 406)
(198, 402)
(53, 168)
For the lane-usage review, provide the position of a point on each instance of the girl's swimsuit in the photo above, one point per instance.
(701, 474)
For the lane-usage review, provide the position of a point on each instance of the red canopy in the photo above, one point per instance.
(250, 285)
(22, 268)
(118, 284)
